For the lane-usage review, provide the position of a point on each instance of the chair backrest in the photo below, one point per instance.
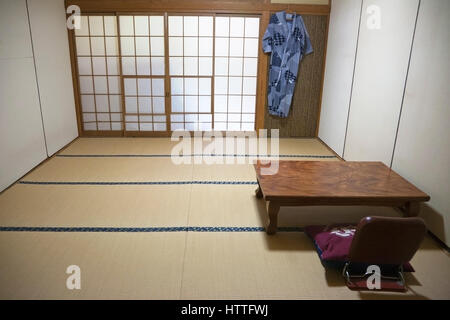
(386, 240)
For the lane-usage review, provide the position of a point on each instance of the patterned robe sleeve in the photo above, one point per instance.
(267, 39)
(306, 45)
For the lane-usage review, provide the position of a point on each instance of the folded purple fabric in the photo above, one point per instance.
(333, 243)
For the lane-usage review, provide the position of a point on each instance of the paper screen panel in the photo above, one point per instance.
(97, 59)
(236, 59)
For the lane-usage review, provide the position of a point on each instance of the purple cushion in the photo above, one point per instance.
(333, 245)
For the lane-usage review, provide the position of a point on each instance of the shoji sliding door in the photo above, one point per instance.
(213, 71)
(236, 60)
(97, 52)
(142, 52)
(150, 74)
(191, 71)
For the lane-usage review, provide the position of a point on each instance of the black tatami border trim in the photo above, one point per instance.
(114, 183)
(146, 229)
(191, 155)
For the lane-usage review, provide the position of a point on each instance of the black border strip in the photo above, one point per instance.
(146, 229)
(113, 183)
(191, 155)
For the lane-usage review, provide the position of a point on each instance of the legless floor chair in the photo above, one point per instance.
(388, 243)
(376, 244)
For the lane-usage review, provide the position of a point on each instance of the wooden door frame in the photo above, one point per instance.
(263, 8)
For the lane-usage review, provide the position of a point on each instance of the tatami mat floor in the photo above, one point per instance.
(141, 188)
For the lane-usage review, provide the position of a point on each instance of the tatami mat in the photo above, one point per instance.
(285, 266)
(159, 206)
(208, 266)
(117, 146)
(163, 146)
(323, 215)
(150, 253)
(224, 172)
(237, 206)
(304, 146)
(110, 170)
(225, 205)
(95, 206)
(113, 265)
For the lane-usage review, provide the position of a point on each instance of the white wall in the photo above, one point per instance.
(341, 51)
(382, 79)
(36, 92)
(379, 80)
(52, 58)
(22, 143)
(422, 152)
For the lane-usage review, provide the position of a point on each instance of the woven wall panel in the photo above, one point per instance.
(304, 112)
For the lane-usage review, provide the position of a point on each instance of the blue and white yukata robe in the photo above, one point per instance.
(289, 42)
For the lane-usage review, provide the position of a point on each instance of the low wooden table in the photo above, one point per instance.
(313, 183)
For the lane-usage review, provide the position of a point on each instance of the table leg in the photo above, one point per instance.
(412, 209)
(258, 192)
(273, 210)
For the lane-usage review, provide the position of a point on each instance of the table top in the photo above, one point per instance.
(330, 180)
